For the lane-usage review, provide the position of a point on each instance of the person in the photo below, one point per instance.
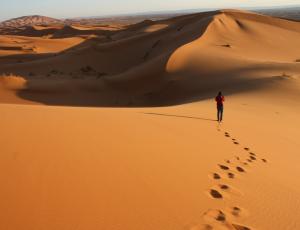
(220, 107)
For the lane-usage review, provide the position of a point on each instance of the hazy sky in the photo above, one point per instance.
(78, 8)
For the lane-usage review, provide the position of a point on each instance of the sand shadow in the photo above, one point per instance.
(144, 82)
(180, 116)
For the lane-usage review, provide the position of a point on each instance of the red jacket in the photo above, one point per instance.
(220, 100)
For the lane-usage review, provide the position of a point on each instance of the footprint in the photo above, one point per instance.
(216, 176)
(217, 219)
(227, 161)
(236, 211)
(233, 139)
(240, 169)
(215, 215)
(224, 187)
(245, 163)
(253, 158)
(240, 227)
(224, 167)
(253, 154)
(221, 217)
(264, 160)
(215, 194)
(237, 158)
(236, 143)
(247, 149)
(249, 160)
(230, 175)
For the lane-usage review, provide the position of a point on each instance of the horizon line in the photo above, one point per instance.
(145, 13)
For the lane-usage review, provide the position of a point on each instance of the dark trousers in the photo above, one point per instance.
(220, 112)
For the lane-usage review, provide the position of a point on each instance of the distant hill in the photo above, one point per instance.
(30, 21)
(288, 12)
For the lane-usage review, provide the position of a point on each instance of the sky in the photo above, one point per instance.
(84, 8)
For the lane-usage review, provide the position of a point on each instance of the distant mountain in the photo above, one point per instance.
(30, 21)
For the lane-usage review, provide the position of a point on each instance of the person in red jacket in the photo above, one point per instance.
(220, 99)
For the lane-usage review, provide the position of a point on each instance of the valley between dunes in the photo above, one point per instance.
(116, 129)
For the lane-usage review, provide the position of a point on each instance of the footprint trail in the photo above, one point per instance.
(220, 219)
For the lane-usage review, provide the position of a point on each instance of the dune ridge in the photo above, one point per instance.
(191, 55)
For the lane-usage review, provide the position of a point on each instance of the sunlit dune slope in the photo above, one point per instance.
(170, 61)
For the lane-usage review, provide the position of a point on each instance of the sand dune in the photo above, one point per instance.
(165, 163)
(62, 31)
(94, 168)
(192, 55)
(35, 45)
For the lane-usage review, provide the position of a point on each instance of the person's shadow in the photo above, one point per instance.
(180, 116)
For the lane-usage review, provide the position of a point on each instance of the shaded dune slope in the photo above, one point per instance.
(53, 31)
(183, 59)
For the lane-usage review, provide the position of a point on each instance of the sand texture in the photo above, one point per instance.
(115, 128)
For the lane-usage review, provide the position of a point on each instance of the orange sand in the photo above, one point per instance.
(165, 163)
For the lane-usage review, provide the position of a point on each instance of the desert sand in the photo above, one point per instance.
(116, 129)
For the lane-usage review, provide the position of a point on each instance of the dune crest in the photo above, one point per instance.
(165, 62)
(11, 82)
